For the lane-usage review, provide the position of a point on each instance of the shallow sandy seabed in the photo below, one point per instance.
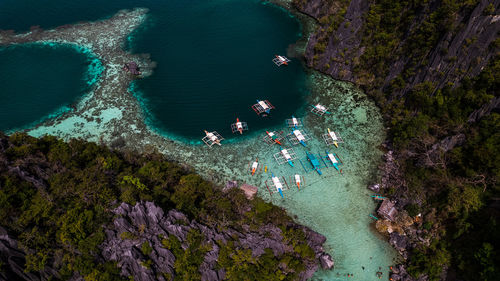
(337, 206)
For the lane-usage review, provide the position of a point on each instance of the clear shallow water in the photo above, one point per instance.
(334, 205)
(214, 58)
(39, 81)
(337, 206)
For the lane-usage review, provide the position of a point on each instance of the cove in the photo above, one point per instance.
(214, 58)
(214, 61)
(37, 82)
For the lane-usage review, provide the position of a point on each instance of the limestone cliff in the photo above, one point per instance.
(463, 51)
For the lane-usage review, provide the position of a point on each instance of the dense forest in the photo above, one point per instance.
(57, 198)
(445, 129)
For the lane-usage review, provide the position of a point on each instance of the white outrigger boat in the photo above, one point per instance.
(300, 137)
(332, 138)
(263, 107)
(298, 180)
(239, 126)
(280, 60)
(334, 159)
(212, 138)
(255, 166)
(297, 136)
(285, 155)
(319, 109)
(294, 122)
(277, 184)
(273, 137)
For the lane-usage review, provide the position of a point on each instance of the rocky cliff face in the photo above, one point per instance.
(147, 223)
(461, 52)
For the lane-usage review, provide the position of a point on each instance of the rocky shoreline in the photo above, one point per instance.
(147, 223)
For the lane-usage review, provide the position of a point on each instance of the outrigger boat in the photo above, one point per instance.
(263, 108)
(334, 159)
(255, 166)
(239, 126)
(298, 180)
(319, 109)
(334, 137)
(294, 122)
(287, 156)
(280, 60)
(274, 137)
(277, 184)
(212, 138)
(314, 162)
(300, 137)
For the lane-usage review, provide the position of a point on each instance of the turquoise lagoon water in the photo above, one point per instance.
(335, 205)
(39, 81)
(193, 72)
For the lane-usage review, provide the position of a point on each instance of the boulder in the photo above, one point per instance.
(249, 190)
(230, 185)
(374, 187)
(326, 261)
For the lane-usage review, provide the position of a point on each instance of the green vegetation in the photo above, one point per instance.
(59, 214)
(459, 184)
(455, 190)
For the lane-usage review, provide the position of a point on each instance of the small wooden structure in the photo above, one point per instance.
(319, 109)
(263, 107)
(387, 210)
(285, 155)
(132, 67)
(212, 138)
(294, 122)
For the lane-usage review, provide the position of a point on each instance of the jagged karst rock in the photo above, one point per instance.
(14, 259)
(486, 109)
(400, 242)
(470, 42)
(230, 185)
(147, 223)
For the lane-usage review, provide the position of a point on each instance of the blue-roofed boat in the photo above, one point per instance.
(314, 162)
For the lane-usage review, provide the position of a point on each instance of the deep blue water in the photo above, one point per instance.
(214, 57)
(38, 81)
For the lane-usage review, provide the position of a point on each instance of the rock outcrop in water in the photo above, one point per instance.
(147, 223)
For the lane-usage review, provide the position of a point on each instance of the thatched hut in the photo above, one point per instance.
(387, 210)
